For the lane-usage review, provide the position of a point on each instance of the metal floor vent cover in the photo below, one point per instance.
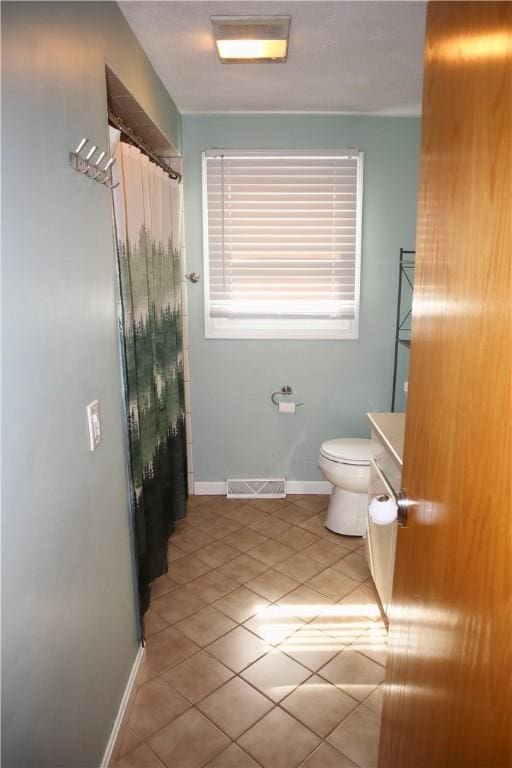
(274, 488)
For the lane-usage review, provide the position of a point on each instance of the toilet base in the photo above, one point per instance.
(347, 513)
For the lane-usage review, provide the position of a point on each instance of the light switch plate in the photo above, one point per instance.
(93, 419)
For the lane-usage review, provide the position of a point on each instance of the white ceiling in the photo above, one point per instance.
(344, 56)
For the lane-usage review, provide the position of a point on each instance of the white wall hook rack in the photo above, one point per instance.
(90, 168)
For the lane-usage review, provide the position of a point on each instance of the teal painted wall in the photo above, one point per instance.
(236, 430)
(68, 624)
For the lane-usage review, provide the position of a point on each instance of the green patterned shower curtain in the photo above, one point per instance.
(147, 215)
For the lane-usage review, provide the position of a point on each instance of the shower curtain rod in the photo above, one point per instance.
(132, 136)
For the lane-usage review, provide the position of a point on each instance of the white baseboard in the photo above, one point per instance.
(308, 487)
(292, 487)
(122, 709)
(210, 489)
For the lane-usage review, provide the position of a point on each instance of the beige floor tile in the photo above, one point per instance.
(194, 500)
(326, 756)
(300, 567)
(217, 554)
(350, 543)
(233, 757)
(272, 626)
(129, 740)
(319, 705)
(192, 539)
(210, 586)
(238, 649)
(221, 527)
(314, 524)
(182, 526)
(156, 704)
(141, 757)
(358, 737)
(219, 502)
(270, 505)
(296, 538)
(162, 586)
(324, 552)
(235, 707)
(243, 568)
(177, 605)
(200, 515)
(292, 514)
(272, 552)
(311, 647)
(373, 643)
(333, 675)
(304, 602)
(164, 650)
(244, 539)
(174, 553)
(198, 676)
(354, 673)
(354, 565)
(271, 527)
(362, 602)
(333, 584)
(279, 741)
(153, 623)
(245, 514)
(275, 675)
(205, 626)
(337, 621)
(188, 742)
(375, 700)
(241, 604)
(187, 568)
(272, 584)
(311, 502)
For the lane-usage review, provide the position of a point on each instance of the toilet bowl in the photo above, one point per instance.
(345, 463)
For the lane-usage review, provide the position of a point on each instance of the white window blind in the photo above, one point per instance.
(282, 243)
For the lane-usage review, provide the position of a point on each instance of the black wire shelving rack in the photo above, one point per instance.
(403, 313)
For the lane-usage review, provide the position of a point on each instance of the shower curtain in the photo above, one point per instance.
(147, 218)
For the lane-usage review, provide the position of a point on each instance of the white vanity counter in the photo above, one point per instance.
(385, 481)
(390, 427)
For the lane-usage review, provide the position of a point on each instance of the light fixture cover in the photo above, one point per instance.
(251, 38)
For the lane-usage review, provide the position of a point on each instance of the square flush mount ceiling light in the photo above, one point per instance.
(251, 38)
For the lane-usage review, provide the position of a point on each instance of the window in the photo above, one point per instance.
(282, 241)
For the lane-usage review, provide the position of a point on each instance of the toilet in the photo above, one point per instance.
(345, 462)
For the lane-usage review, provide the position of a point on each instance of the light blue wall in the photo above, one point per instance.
(236, 430)
(68, 624)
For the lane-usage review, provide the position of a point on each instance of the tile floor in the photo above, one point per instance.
(265, 645)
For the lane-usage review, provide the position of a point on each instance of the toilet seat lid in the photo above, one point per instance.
(350, 450)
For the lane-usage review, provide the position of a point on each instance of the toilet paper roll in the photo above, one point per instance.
(286, 407)
(383, 510)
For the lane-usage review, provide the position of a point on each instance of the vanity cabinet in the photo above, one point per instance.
(385, 479)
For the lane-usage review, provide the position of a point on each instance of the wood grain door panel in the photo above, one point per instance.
(448, 692)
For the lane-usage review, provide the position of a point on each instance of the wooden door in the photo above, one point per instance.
(448, 696)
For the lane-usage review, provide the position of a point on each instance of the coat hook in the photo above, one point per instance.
(95, 167)
(81, 146)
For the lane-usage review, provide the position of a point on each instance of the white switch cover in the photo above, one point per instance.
(93, 419)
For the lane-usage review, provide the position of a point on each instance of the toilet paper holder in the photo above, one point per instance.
(286, 391)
